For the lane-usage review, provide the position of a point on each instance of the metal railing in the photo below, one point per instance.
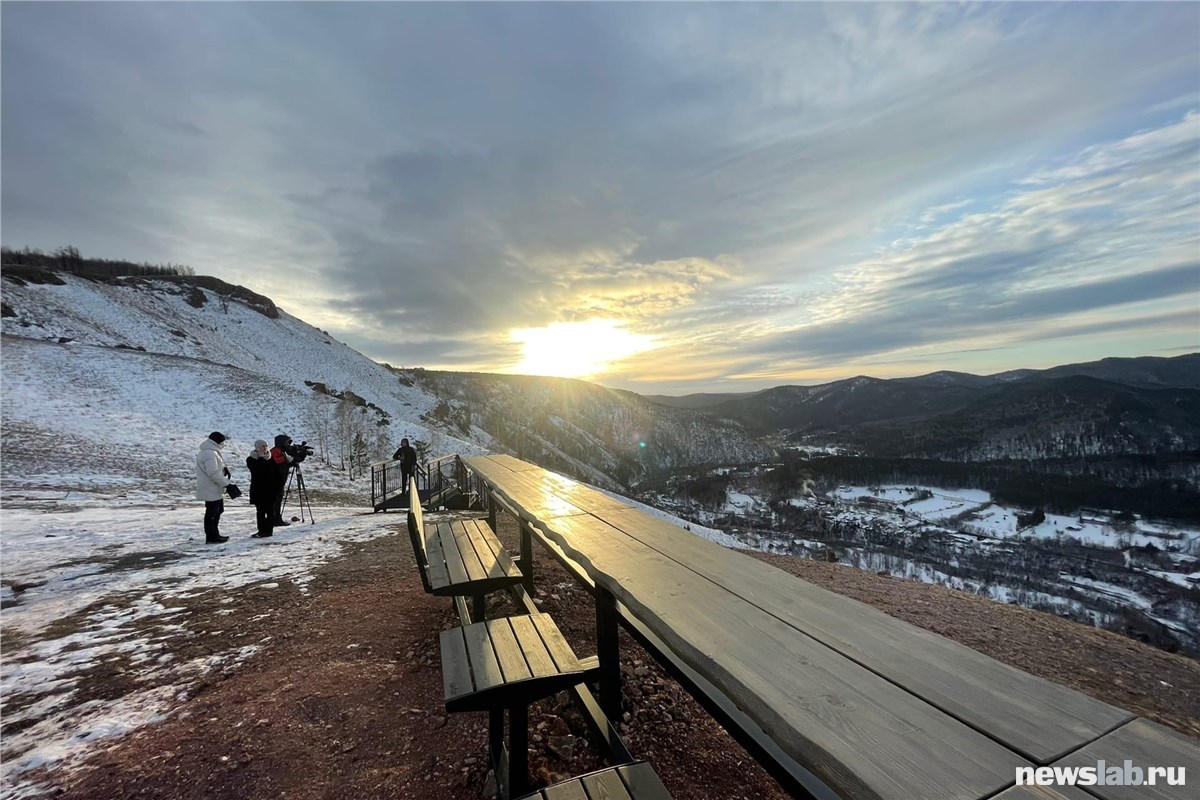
(435, 480)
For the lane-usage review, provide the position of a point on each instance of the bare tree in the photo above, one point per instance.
(320, 419)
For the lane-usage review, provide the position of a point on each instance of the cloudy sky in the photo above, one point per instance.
(662, 197)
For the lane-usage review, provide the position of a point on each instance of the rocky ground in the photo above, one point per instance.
(346, 700)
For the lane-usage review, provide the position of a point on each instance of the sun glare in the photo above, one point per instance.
(576, 349)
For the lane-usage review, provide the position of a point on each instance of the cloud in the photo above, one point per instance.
(425, 178)
(1115, 227)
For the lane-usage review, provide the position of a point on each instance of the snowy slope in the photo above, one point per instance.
(78, 380)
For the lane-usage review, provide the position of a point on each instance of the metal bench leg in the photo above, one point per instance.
(527, 557)
(607, 648)
(518, 750)
(480, 606)
(496, 737)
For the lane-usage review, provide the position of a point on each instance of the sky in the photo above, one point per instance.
(667, 198)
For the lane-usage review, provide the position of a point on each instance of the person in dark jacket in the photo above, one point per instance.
(266, 483)
(283, 462)
(408, 462)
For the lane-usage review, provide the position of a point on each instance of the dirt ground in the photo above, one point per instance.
(346, 699)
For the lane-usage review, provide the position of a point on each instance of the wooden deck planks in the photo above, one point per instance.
(854, 729)
(1037, 718)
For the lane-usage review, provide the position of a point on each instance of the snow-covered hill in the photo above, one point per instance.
(125, 379)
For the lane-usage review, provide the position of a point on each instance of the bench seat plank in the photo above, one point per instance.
(635, 781)
(485, 668)
(513, 661)
(435, 558)
(556, 645)
(1146, 744)
(454, 558)
(643, 782)
(570, 790)
(474, 565)
(605, 784)
(537, 657)
(498, 564)
(852, 728)
(464, 557)
(456, 664)
(1037, 718)
(508, 651)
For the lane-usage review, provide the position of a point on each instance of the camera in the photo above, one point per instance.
(299, 452)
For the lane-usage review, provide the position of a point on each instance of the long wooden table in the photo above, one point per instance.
(870, 705)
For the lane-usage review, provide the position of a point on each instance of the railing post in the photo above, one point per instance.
(491, 509)
(608, 649)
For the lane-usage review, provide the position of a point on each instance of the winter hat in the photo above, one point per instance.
(260, 443)
(217, 436)
(282, 440)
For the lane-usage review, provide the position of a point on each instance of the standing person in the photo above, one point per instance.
(408, 462)
(212, 480)
(283, 463)
(266, 482)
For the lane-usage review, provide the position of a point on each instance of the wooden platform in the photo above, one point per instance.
(870, 705)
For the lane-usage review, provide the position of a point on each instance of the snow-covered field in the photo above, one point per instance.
(91, 576)
(978, 514)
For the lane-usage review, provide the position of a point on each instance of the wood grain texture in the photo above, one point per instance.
(1037, 718)
(627, 782)
(1146, 744)
(1044, 793)
(855, 730)
(465, 557)
(642, 782)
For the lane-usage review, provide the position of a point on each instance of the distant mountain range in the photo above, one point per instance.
(1113, 406)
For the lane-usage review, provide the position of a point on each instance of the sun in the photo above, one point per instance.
(576, 349)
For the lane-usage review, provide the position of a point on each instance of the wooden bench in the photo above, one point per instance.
(504, 665)
(635, 781)
(460, 558)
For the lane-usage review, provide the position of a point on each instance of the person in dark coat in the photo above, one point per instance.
(266, 483)
(283, 462)
(408, 462)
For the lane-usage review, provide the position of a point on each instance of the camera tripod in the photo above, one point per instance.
(296, 475)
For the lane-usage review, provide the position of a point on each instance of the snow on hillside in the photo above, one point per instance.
(79, 365)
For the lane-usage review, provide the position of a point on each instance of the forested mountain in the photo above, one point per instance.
(604, 435)
(1115, 406)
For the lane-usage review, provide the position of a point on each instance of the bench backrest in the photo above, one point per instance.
(416, 533)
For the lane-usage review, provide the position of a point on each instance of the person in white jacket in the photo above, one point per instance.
(212, 481)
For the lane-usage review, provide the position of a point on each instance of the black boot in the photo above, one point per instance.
(216, 539)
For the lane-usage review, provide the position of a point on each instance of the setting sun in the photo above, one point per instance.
(576, 349)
